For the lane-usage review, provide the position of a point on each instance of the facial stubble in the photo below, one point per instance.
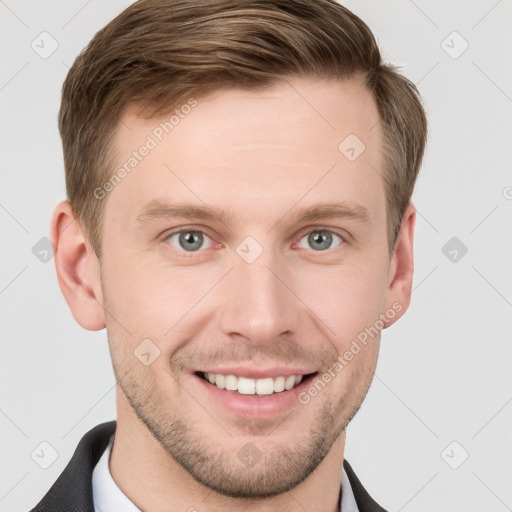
(222, 469)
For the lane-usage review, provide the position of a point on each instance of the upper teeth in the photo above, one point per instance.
(253, 386)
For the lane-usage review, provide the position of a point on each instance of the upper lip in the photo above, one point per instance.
(258, 373)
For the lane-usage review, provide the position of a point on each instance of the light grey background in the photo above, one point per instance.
(444, 372)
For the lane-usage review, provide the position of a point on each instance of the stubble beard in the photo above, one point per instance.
(224, 470)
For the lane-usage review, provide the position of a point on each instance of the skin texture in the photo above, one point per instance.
(259, 156)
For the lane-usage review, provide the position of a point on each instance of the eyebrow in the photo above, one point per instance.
(158, 209)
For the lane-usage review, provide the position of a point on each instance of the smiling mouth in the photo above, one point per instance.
(246, 386)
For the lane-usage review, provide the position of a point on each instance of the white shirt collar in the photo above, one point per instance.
(106, 494)
(348, 501)
(109, 498)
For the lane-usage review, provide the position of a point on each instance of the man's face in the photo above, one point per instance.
(258, 295)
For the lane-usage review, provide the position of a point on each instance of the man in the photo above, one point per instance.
(239, 177)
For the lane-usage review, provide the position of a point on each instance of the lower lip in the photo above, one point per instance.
(254, 406)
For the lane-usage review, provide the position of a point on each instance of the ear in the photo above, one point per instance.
(78, 269)
(401, 270)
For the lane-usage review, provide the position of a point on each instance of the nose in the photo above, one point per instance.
(258, 300)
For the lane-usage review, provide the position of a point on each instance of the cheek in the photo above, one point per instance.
(347, 299)
(149, 298)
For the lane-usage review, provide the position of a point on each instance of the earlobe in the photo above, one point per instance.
(401, 270)
(77, 268)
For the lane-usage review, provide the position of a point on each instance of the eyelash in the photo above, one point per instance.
(192, 254)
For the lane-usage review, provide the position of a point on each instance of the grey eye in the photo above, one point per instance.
(188, 240)
(320, 239)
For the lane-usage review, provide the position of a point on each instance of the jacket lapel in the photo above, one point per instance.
(365, 503)
(72, 491)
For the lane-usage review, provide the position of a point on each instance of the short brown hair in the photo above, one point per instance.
(158, 53)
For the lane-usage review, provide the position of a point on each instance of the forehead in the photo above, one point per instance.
(255, 151)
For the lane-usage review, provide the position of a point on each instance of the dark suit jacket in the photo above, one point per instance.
(72, 491)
